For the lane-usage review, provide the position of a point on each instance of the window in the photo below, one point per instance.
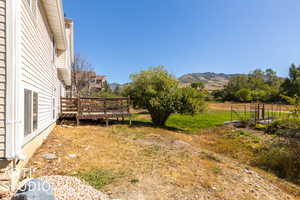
(30, 112)
(35, 110)
(27, 112)
(54, 49)
(53, 104)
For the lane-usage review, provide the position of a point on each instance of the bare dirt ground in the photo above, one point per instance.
(151, 163)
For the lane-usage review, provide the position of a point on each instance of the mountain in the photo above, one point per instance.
(212, 81)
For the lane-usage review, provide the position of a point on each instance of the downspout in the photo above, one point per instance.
(13, 82)
(19, 90)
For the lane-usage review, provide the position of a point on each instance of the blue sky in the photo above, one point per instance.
(121, 37)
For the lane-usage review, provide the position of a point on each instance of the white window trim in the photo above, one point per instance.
(35, 132)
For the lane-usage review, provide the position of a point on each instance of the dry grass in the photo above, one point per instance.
(151, 163)
(244, 146)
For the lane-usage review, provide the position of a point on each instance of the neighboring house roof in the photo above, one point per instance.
(55, 15)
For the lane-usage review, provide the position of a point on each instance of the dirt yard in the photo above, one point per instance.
(138, 163)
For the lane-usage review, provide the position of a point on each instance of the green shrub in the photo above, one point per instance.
(157, 91)
(282, 158)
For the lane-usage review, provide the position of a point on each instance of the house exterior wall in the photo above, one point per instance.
(38, 71)
(2, 75)
(29, 59)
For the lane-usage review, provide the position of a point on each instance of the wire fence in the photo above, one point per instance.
(258, 112)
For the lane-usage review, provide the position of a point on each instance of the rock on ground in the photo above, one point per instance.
(35, 189)
(66, 188)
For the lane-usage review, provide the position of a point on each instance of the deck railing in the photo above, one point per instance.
(95, 108)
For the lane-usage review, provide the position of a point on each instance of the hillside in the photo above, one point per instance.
(213, 81)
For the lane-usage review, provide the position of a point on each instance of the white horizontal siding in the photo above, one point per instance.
(38, 70)
(60, 59)
(2, 75)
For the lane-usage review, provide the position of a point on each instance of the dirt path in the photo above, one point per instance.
(149, 163)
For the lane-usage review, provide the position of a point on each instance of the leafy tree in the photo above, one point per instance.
(157, 91)
(271, 77)
(235, 84)
(291, 85)
(256, 79)
(198, 85)
(256, 86)
(244, 95)
(259, 95)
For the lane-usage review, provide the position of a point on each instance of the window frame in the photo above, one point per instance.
(33, 128)
(53, 108)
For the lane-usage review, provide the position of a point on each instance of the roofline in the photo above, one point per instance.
(55, 14)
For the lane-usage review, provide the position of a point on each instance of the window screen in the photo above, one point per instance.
(35, 110)
(27, 112)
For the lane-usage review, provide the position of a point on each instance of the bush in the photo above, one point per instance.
(281, 126)
(282, 158)
(157, 91)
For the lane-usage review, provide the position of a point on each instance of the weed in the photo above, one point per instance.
(97, 177)
(134, 180)
(217, 170)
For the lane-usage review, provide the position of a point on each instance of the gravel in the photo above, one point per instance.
(72, 188)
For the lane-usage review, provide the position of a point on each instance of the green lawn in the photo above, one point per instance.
(193, 124)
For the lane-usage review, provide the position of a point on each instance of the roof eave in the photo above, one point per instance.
(55, 15)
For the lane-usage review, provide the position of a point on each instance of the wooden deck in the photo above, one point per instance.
(95, 108)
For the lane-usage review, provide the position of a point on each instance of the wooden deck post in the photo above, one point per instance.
(61, 105)
(105, 112)
(122, 112)
(128, 110)
(78, 110)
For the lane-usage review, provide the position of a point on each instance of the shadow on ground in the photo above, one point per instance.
(134, 124)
